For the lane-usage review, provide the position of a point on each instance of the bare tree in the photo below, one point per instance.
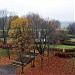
(46, 27)
(12, 16)
(3, 22)
(71, 29)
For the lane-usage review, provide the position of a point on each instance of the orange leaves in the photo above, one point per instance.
(55, 66)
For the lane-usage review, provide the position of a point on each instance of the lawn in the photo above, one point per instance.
(62, 29)
(72, 39)
(3, 52)
(62, 46)
(8, 39)
(59, 46)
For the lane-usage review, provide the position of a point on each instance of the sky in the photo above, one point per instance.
(62, 10)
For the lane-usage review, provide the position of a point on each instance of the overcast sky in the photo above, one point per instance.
(62, 10)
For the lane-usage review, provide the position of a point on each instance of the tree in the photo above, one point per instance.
(71, 29)
(12, 16)
(21, 33)
(48, 29)
(62, 35)
(3, 23)
(52, 32)
(37, 22)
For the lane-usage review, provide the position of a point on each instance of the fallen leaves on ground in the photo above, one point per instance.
(51, 66)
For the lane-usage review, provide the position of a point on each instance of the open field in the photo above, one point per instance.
(8, 39)
(62, 46)
(3, 52)
(71, 39)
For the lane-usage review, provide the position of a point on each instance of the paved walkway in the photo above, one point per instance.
(4, 71)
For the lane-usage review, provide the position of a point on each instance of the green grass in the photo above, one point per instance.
(3, 52)
(8, 39)
(63, 29)
(62, 46)
(71, 39)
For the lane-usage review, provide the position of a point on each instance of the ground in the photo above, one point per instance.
(52, 65)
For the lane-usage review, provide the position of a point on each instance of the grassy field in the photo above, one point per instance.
(62, 46)
(3, 52)
(8, 39)
(72, 39)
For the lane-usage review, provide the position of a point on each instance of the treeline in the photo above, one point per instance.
(71, 29)
(49, 29)
(7, 17)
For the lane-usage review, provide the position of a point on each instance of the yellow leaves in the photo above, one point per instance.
(17, 26)
(20, 30)
(20, 23)
(12, 33)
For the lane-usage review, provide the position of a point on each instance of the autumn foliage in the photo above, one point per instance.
(21, 32)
